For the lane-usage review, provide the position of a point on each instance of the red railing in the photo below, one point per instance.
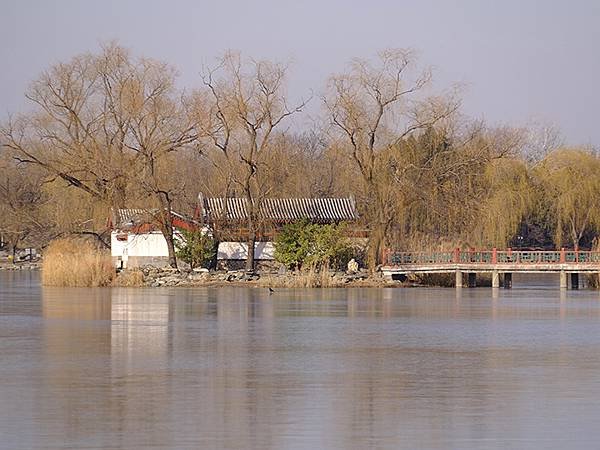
(493, 256)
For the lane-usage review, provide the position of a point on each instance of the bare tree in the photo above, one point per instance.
(373, 108)
(22, 200)
(107, 124)
(541, 138)
(237, 114)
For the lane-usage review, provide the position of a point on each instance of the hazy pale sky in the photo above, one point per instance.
(519, 60)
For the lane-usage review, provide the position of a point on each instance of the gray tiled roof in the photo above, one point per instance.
(282, 209)
(123, 218)
(130, 217)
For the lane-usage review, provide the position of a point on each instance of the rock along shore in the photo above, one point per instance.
(21, 266)
(169, 277)
(150, 276)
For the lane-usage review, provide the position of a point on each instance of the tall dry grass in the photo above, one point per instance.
(307, 278)
(76, 262)
(129, 278)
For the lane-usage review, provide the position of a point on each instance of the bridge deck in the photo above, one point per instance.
(483, 268)
(506, 261)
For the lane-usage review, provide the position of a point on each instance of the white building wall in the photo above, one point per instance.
(239, 250)
(148, 248)
(145, 244)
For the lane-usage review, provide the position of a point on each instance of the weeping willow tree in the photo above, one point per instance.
(569, 194)
(459, 188)
(438, 177)
(508, 200)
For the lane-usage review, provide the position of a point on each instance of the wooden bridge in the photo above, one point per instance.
(500, 263)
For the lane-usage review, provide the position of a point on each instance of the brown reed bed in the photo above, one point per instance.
(76, 262)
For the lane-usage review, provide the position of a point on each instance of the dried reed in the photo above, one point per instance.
(75, 262)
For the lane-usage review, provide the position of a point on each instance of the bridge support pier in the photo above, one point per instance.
(575, 280)
(563, 279)
(472, 280)
(495, 279)
(458, 280)
(507, 280)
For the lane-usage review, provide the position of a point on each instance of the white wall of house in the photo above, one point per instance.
(141, 249)
(131, 249)
(239, 250)
(143, 244)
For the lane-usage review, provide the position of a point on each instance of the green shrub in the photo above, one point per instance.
(196, 249)
(304, 244)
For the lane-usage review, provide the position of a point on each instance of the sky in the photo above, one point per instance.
(519, 62)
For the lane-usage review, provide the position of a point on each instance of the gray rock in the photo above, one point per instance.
(170, 279)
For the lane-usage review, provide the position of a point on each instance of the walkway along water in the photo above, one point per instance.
(501, 264)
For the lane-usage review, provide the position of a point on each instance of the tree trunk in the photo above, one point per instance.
(376, 241)
(251, 246)
(171, 247)
(251, 241)
(575, 237)
(379, 229)
(119, 199)
(167, 229)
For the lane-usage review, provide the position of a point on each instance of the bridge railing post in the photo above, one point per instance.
(563, 255)
(494, 256)
(456, 255)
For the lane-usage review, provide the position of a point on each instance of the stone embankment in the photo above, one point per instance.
(21, 266)
(168, 277)
(159, 277)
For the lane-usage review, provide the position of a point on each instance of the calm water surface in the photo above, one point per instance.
(299, 369)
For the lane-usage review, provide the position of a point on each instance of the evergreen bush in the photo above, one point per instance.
(196, 249)
(303, 244)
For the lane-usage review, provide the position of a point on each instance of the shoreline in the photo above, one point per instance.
(168, 277)
(150, 277)
(25, 266)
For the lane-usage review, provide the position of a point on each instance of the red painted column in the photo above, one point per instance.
(457, 255)
(494, 256)
(563, 256)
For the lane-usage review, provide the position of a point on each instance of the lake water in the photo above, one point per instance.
(237, 368)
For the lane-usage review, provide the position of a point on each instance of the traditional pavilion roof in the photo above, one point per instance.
(132, 217)
(322, 210)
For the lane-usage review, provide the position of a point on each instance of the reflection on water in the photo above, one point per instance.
(333, 368)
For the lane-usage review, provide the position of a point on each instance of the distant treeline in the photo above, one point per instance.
(111, 130)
